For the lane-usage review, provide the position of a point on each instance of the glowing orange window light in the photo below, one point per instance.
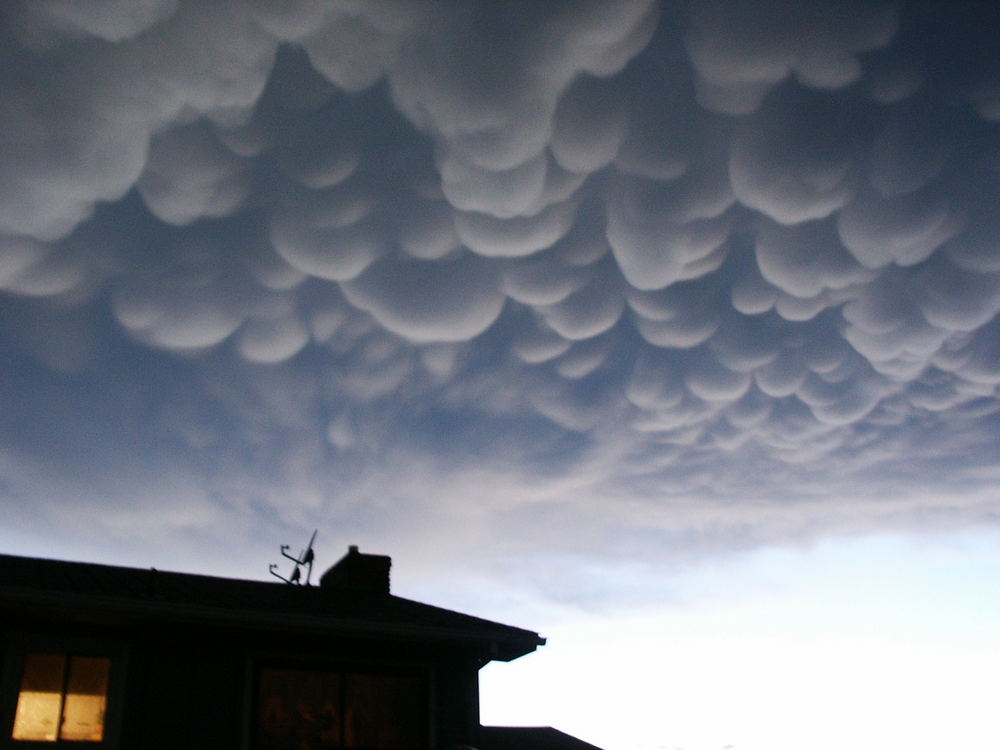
(59, 704)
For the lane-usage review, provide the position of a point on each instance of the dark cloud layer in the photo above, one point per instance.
(715, 265)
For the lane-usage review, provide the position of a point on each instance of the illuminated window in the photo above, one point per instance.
(328, 710)
(62, 698)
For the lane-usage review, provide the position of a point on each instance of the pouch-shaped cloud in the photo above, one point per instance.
(489, 111)
(322, 152)
(662, 137)
(539, 344)
(741, 49)
(46, 197)
(704, 192)
(33, 269)
(274, 338)
(46, 21)
(903, 230)
(19, 255)
(357, 43)
(806, 259)
(426, 230)
(709, 380)
(573, 405)
(212, 58)
(744, 344)
(590, 125)
(105, 102)
(841, 401)
(328, 233)
(955, 299)
(502, 193)
(543, 281)
(891, 79)
(683, 332)
(888, 329)
(177, 317)
(653, 252)
(908, 154)
(516, 236)
(587, 312)
(584, 357)
(335, 254)
(424, 302)
(189, 175)
(978, 361)
(682, 316)
(729, 249)
(793, 160)
(781, 377)
(655, 382)
(269, 269)
(977, 248)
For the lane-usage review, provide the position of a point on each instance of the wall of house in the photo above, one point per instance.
(190, 686)
(183, 689)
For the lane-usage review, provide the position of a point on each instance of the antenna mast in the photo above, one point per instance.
(305, 558)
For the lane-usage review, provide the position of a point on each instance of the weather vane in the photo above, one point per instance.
(305, 558)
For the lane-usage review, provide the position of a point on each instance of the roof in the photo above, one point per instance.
(136, 594)
(529, 738)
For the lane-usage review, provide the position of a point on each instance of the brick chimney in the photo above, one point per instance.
(358, 573)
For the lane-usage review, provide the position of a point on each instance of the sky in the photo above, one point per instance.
(669, 330)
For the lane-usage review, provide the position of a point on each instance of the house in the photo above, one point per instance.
(98, 656)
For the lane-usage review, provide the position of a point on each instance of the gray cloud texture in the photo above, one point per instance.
(695, 275)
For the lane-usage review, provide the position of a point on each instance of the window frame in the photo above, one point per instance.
(20, 645)
(259, 661)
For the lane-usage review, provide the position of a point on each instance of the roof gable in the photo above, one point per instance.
(136, 593)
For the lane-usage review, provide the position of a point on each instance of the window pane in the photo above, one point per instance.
(40, 700)
(86, 699)
(384, 711)
(298, 709)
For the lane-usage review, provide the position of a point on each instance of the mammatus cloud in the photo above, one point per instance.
(680, 266)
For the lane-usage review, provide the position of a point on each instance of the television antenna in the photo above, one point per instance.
(305, 558)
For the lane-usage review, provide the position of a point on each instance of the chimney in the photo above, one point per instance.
(358, 573)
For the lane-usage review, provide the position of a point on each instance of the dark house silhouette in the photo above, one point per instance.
(98, 656)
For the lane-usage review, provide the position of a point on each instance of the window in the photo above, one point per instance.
(62, 698)
(332, 709)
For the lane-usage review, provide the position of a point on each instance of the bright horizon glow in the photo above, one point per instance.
(864, 643)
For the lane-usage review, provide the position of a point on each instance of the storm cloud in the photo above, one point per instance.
(692, 275)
